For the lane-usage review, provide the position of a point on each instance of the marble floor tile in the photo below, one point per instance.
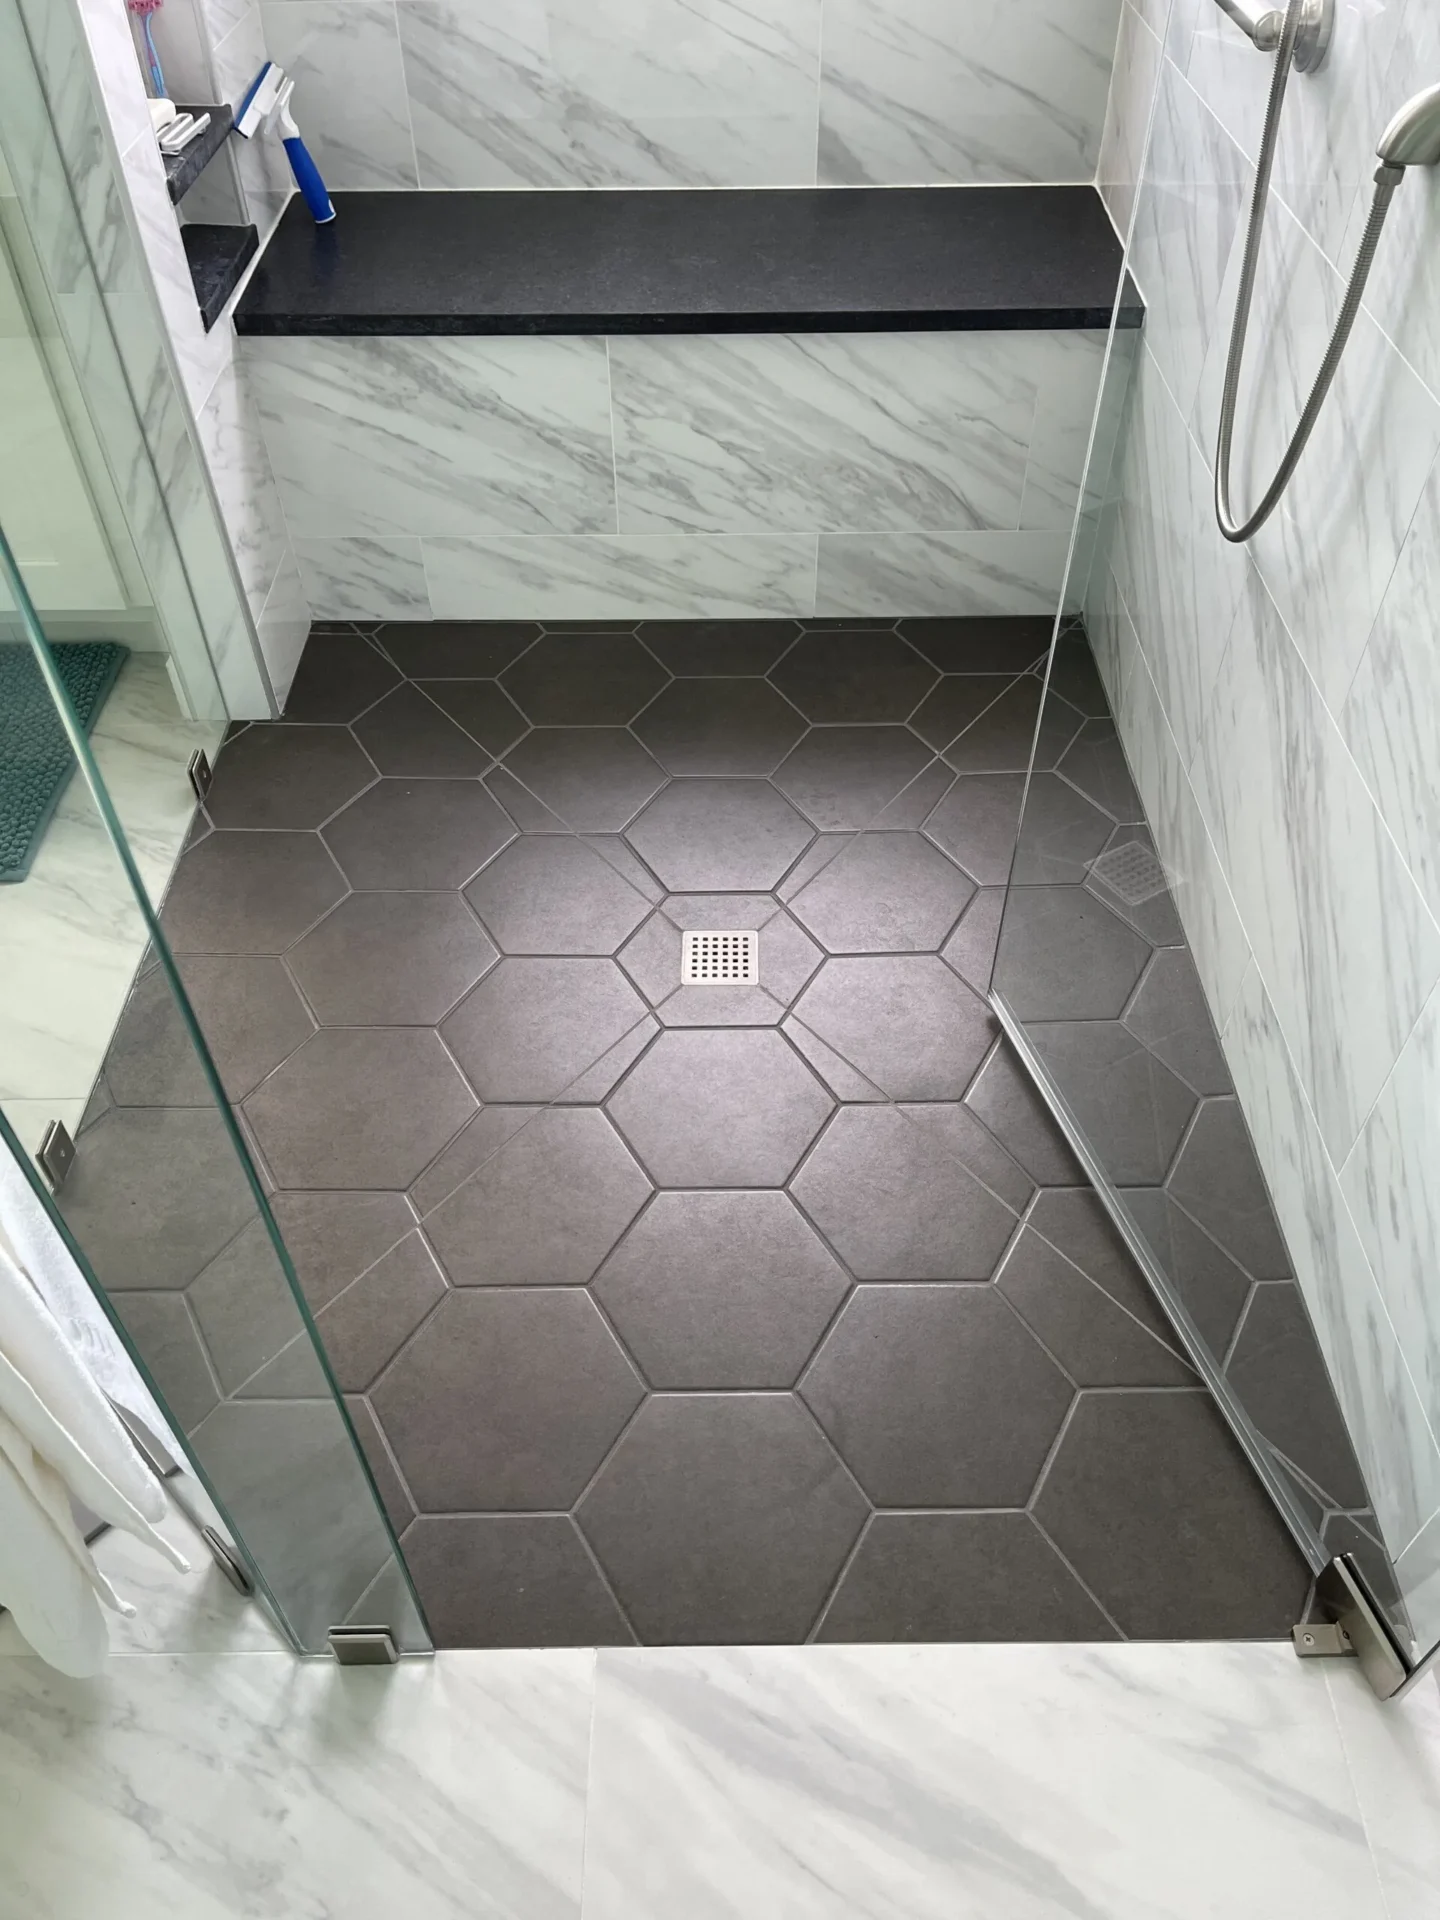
(1394, 1756)
(214, 1786)
(1015, 1783)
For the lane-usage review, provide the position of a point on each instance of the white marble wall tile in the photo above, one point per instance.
(364, 579)
(571, 93)
(264, 169)
(240, 470)
(209, 1786)
(1181, 580)
(1342, 937)
(1017, 1783)
(438, 435)
(350, 101)
(1066, 369)
(749, 433)
(954, 575)
(1383, 1411)
(1391, 717)
(1218, 941)
(943, 91)
(1418, 1570)
(648, 577)
(1197, 183)
(1331, 547)
(1127, 116)
(201, 355)
(1390, 1182)
(284, 626)
(1394, 1758)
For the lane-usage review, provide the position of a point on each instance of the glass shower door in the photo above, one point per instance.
(163, 1207)
(1096, 984)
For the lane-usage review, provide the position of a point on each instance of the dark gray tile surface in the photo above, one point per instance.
(704, 1314)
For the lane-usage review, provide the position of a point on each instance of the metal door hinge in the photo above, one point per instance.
(364, 1646)
(56, 1155)
(1351, 1627)
(201, 773)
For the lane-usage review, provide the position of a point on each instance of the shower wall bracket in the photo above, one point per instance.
(1350, 1628)
(1264, 23)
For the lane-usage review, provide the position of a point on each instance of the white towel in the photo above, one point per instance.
(59, 1435)
(39, 1249)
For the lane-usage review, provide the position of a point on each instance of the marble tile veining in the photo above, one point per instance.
(344, 57)
(1015, 1783)
(381, 437)
(360, 579)
(1340, 932)
(1127, 119)
(818, 432)
(560, 93)
(453, 1789)
(945, 91)
(947, 575)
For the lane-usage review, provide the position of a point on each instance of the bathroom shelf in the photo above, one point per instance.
(183, 169)
(218, 256)
(714, 260)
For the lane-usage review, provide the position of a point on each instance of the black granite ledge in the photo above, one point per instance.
(782, 260)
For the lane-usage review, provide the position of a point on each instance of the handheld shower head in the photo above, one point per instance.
(1412, 138)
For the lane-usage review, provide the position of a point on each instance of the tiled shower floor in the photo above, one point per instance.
(692, 1313)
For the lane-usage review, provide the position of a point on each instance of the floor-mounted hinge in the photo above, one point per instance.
(56, 1155)
(364, 1646)
(1351, 1627)
(201, 773)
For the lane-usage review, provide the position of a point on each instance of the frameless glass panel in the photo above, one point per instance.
(1095, 975)
(163, 1203)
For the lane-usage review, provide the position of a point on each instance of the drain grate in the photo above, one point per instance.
(1131, 872)
(729, 959)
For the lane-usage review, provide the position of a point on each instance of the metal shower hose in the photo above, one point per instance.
(1387, 179)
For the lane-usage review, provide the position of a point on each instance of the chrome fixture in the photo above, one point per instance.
(1266, 24)
(1412, 139)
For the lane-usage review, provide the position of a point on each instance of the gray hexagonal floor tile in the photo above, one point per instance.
(154, 1194)
(364, 1327)
(721, 1290)
(339, 676)
(279, 775)
(883, 893)
(544, 1207)
(249, 1013)
(1060, 835)
(555, 894)
(1095, 763)
(736, 729)
(391, 959)
(586, 779)
(532, 1028)
(249, 892)
(910, 1025)
(1171, 1016)
(506, 1400)
(937, 1397)
(719, 646)
(959, 1576)
(712, 836)
(1277, 1370)
(839, 677)
(584, 680)
(480, 708)
(511, 1580)
(455, 649)
(406, 734)
(977, 822)
(333, 1237)
(844, 778)
(418, 833)
(722, 1518)
(708, 1108)
(1129, 1467)
(359, 1107)
(1217, 1180)
(1090, 1334)
(897, 1203)
(1129, 1105)
(1064, 956)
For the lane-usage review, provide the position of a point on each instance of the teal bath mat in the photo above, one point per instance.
(35, 756)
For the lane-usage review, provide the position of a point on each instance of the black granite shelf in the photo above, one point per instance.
(218, 256)
(837, 259)
(183, 169)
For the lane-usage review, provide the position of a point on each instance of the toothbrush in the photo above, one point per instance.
(143, 9)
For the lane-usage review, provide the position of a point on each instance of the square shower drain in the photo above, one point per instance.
(720, 959)
(1131, 872)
